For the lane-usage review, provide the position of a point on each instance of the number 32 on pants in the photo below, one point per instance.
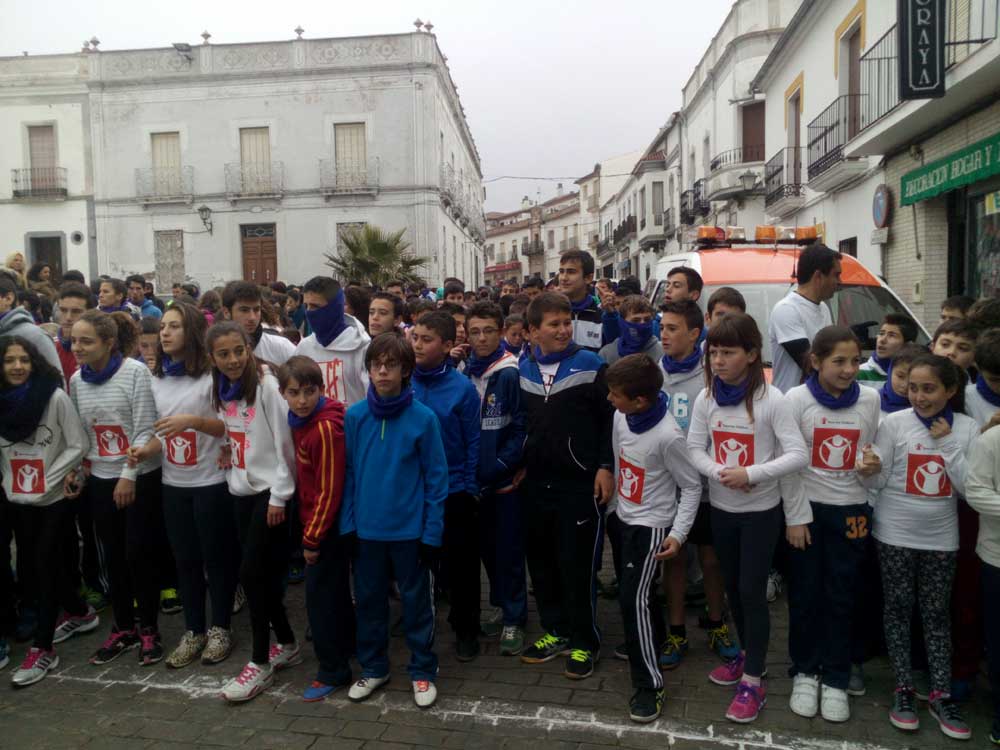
(857, 527)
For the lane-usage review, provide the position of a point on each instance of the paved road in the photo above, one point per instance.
(493, 702)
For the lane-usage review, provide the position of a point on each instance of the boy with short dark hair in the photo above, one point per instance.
(393, 519)
(317, 425)
(896, 330)
(513, 334)
(956, 340)
(149, 340)
(454, 292)
(73, 301)
(724, 300)
(956, 307)
(635, 331)
(982, 398)
(461, 348)
(493, 371)
(241, 303)
(385, 313)
(576, 272)
(652, 469)
(455, 402)
(568, 478)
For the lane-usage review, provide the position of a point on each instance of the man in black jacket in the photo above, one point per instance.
(576, 273)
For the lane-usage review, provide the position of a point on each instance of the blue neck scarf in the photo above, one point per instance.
(171, 368)
(515, 350)
(991, 396)
(845, 400)
(891, 401)
(946, 412)
(634, 337)
(97, 378)
(228, 390)
(429, 377)
(883, 363)
(387, 408)
(328, 322)
(295, 421)
(10, 396)
(121, 308)
(66, 344)
(729, 395)
(647, 420)
(583, 304)
(555, 357)
(475, 366)
(672, 366)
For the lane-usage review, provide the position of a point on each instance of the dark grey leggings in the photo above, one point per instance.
(744, 543)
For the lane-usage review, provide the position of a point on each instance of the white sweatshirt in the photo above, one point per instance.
(191, 458)
(683, 388)
(117, 414)
(342, 362)
(982, 491)
(649, 469)
(769, 447)
(33, 469)
(916, 505)
(263, 457)
(834, 441)
(273, 347)
(978, 407)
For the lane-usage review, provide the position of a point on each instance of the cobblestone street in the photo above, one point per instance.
(493, 702)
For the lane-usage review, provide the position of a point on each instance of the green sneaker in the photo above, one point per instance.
(511, 640)
(94, 598)
(546, 648)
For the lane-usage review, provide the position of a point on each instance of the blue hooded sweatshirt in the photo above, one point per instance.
(396, 482)
(456, 403)
(502, 418)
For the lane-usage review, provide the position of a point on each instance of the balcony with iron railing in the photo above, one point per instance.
(446, 183)
(669, 220)
(687, 212)
(570, 243)
(592, 202)
(250, 179)
(826, 136)
(604, 248)
(784, 186)
(347, 177)
(532, 247)
(625, 231)
(38, 183)
(702, 204)
(165, 184)
(726, 169)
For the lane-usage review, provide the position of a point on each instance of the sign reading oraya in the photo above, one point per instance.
(922, 30)
(971, 164)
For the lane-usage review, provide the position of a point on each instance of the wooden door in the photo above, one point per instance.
(854, 84)
(48, 250)
(753, 132)
(260, 253)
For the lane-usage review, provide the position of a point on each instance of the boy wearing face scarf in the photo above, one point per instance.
(635, 332)
(338, 342)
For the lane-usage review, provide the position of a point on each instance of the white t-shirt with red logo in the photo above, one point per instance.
(769, 447)
(33, 469)
(649, 469)
(190, 458)
(916, 505)
(342, 362)
(835, 439)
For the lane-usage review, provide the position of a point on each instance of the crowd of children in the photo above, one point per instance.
(400, 438)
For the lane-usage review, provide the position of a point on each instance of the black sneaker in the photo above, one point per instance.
(150, 647)
(580, 664)
(646, 705)
(467, 649)
(117, 643)
(621, 651)
(546, 648)
(170, 602)
(995, 733)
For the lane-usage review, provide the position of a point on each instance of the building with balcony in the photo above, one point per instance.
(287, 144)
(537, 233)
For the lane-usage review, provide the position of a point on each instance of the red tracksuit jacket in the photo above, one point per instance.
(319, 472)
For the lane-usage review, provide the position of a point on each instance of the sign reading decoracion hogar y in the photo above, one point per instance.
(970, 164)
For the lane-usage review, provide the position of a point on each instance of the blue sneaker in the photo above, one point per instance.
(720, 642)
(4, 653)
(673, 651)
(296, 574)
(317, 691)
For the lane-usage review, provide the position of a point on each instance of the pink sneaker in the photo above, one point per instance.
(747, 704)
(729, 673)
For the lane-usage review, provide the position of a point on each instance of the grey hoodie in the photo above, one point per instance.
(653, 350)
(18, 322)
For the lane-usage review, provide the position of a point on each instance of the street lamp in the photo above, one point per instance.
(748, 180)
(205, 214)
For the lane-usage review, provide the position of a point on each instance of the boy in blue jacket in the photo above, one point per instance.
(493, 371)
(454, 400)
(393, 518)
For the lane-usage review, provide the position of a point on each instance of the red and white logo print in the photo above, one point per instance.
(238, 441)
(835, 448)
(111, 440)
(28, 475)
(182, 449)
(732, 439)
(926, 475)
(333, 377)
(631, 479)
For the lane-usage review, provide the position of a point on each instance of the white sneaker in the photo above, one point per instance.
(424, 693)
(805, 695)
(363, 688)
(251, 682)
(835, 705)
(35, 666)
(284, 655)
(774, 582)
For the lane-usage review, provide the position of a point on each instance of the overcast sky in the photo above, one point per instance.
(549, 87)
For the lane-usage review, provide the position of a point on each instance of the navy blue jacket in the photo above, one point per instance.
(455, 402)
(501, 439)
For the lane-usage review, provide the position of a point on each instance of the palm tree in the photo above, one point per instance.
(371, 255)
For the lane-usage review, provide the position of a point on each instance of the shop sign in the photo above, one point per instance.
(971, 164)
(921, 48)
(880, 236)
(992, 201)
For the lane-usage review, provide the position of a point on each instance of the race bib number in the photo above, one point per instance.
(925, 473)
(835, 443)
(732, 438)
(27, 476)
(238, 442)
(631, 478)
(182, 449)
(111, 440)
